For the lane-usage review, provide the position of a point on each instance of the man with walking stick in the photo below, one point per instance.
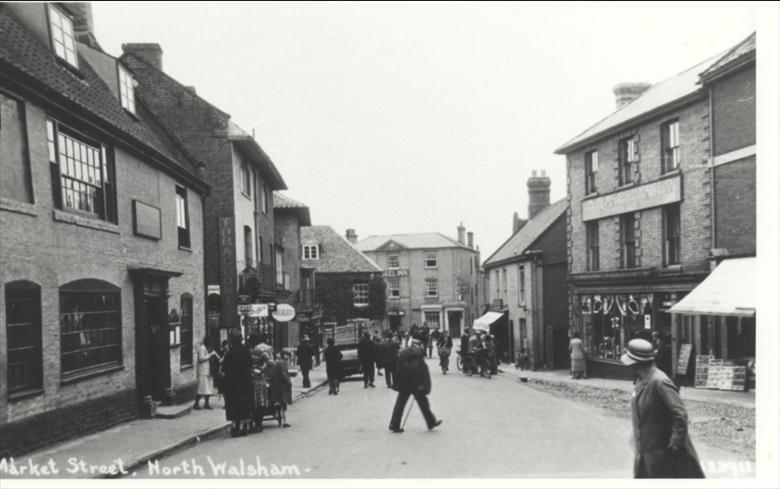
(412, 379)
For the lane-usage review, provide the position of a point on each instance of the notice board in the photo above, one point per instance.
(684, 358)
(702, 370)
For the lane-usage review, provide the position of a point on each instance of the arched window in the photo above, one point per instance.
(23, 325)
(186, 330)
(90, 325)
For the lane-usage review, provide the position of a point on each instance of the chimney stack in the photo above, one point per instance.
(150, 52)
(461, 234)
(625, 93)
(517, 223)
(538, 193)
(83, 26)
(470, 236)
(352, 236)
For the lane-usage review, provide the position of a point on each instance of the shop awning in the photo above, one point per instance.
(484, 321)
(730, 290)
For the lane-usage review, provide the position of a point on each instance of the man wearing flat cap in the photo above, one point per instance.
(663, 446)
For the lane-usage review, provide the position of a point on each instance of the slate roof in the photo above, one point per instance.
(411, 241)
(528, 234)
(744, 51)
(659, 95)
(337, 255)
(282, 202)
(24, 56)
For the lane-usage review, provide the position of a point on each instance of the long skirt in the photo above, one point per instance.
(206, 385)
(578, 365)
(238, 407)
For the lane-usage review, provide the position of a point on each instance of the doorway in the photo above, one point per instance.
(454, 319)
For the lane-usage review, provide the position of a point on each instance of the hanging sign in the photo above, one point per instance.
(258, 310)
(284, 312)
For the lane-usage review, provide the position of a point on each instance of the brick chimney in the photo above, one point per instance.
(538, 193)
(517, 223)
(461, 234)
(352, 236)
(625, 93)
(83, 26)
(470, 237)
(150, 52)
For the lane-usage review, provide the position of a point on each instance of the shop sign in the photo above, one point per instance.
(258, 310)
(284, 312)
(395, 273)
(655, 194)
(244, 308)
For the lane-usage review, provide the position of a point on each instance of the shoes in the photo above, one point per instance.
(365, 386)
(196, 407)
(396, 430)
(286, 425)
(207, 407)
(437, 423)
(371, 385)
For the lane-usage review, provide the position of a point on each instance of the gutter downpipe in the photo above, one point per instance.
(713, 223)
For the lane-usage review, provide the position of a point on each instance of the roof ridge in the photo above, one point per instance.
(177, 82)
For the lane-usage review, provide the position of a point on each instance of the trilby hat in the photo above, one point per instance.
(639, 351)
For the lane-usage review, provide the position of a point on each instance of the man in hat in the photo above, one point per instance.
(412, 379)
(663, 446)
(305, 356)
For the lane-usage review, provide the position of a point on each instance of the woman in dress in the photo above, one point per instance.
(578, 365)
(205, 376)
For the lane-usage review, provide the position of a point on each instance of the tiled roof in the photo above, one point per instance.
(337, 255)
(411, 241)
(284, 203)
(744, 50)
(657, 96)
(525, 237)
(20, 51)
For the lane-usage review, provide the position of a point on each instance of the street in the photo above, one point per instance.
(492, 428)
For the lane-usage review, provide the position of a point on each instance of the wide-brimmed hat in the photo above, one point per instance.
(639, 351)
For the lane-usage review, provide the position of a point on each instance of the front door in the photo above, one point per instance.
(159, 346)
(152, 352)
(453, 323)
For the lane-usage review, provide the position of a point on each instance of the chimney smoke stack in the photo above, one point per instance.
(538, 193)
(352, 236)
(625, 93)
(151, 52)
(470, 236)
(461, 234)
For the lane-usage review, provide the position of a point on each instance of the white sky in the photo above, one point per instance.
(415, 117)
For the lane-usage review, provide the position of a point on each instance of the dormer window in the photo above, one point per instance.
(126, 90)
(62, 39)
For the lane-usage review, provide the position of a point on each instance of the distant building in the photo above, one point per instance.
(348, 283)
(643, 213)
(527, 280)
(431, 278)
(101, 253)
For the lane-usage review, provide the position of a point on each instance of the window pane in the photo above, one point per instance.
(90, 325)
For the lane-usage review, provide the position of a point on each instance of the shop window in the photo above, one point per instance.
(185, 335)
(432, 318)
(15, 177)
(23, 330)
(591, 171)
(592, 238)
(360, 293)
(82, 175)
(90, 326)
(610, 320)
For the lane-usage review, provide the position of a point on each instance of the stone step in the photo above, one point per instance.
(172, 412)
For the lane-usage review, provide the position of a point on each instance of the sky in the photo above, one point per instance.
(415, 117)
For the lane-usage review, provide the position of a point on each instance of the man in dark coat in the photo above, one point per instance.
(663, 446)
(389, 350)
(412, 379)
(366, 356)
(305, 359)
(332, 366)
(237, 386)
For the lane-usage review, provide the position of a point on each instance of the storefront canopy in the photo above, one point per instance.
(730, 290)
(484, 321)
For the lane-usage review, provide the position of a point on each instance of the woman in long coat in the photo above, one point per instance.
(281, 387)
(237, 367)
(577, 352)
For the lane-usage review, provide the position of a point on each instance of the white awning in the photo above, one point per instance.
(730, 290)
(484, 321)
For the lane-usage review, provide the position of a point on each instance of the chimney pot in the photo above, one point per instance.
(538, 193)
(461, 234)
(625, 93)
(151, 52)
(470, 235)
(352, 236)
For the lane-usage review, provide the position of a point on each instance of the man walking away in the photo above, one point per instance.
(332, 359)
(366, 357)
(390, 358)
(412, 379)
(305, 357)
(378, 345)
(663, 446)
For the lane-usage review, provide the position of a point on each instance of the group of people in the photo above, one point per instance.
(252, 379)
(479, 346)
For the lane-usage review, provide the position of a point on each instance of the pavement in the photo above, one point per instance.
(136, 442)
(743, 399)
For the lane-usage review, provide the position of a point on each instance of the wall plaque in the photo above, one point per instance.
(146, 220)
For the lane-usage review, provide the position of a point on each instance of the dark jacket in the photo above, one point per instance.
(365, 351)
(440, 343)
(663, 448)
(237, 383)
(390, 354)
(280, 387)
(412, 374)
(332, 358)
(305, 356)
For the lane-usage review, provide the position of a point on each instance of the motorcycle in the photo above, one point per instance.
(470, 365)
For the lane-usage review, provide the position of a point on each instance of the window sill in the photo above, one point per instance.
(18, 207)
(246, 195)
(185, 248)
(591, 195)
(25, 394)
(184, 368)
(360, 305)
(89, 374)
(75, 70)
(670, 173)
(71, 218)
(672, 268)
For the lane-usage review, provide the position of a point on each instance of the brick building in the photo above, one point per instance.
(348, 283)
(640, 222)
(527, 280)
(101, 244)
(431, 278)
(240, 245)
